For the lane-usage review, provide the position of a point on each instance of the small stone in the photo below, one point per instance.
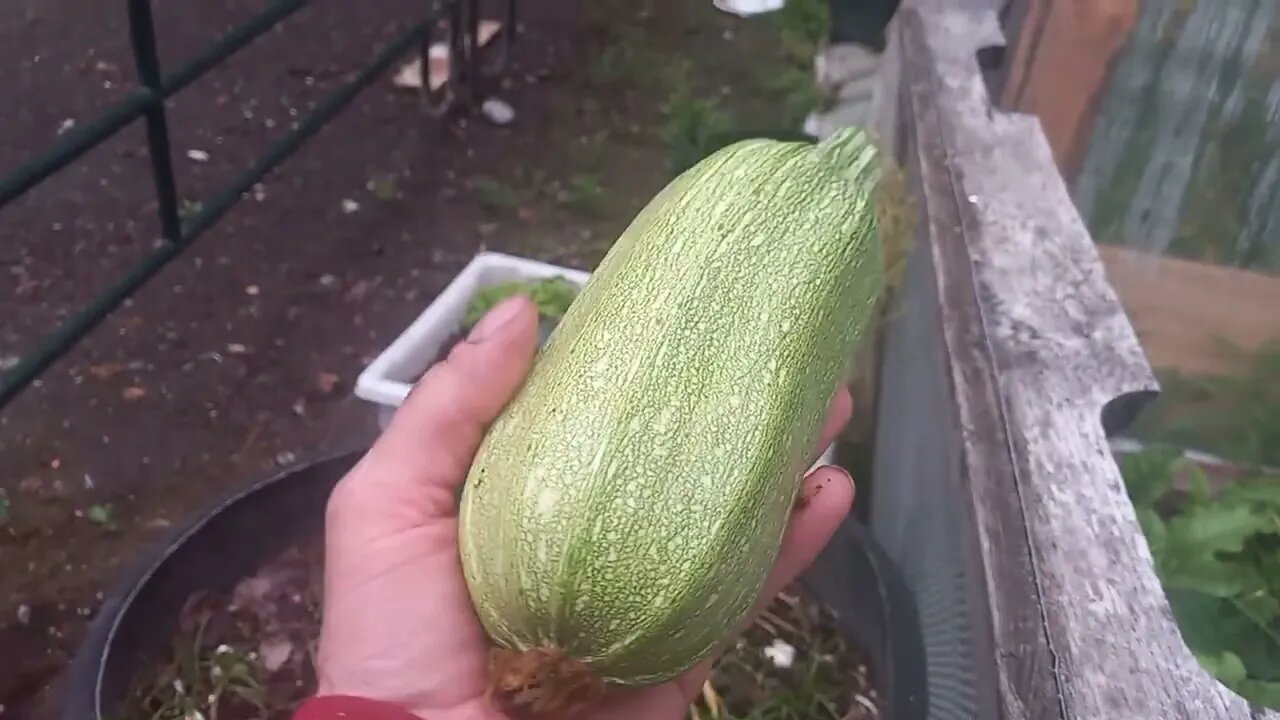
(252, 290)
(328, 281)
(66, 125)
(498, 112)
(8, 362)
(237, 349)
(781, 653)
(198, 155)
(24, 614)
(350, 206)
(275, 652)
(285, 458)
(358, 291)
(133, 393)
(326, 382)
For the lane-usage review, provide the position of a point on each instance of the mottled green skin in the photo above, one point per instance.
(627, 505)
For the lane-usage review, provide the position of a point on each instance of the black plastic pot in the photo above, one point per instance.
(136, 624)
(877, 612)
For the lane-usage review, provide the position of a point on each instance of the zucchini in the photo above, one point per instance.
(622, 513)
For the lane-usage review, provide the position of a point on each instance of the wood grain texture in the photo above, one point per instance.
(1185, 312)
(1060, 64)
(1037, 348)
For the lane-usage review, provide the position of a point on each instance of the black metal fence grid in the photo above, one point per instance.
(459, 17)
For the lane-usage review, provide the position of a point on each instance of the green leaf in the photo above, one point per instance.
(4, 507)
(1200, 491)
(1262, 607)
(552, 296)
(1260, 692)
(1214, 528)
(100, 514)
(1260, 491)
(1268, 565)
(1227, 667)
(1153, 527)
(1208, 574)
(1211, 626)
(1147, 473)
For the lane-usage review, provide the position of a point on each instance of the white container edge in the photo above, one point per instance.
(387, 380)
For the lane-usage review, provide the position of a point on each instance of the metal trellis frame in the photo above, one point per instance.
(147, 102)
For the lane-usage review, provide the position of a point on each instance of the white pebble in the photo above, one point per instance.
(498, 112)
(781, 653)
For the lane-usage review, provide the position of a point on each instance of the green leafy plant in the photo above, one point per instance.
(1218, 557)
(103, 515)
(188, 209)
(692, 123)
(1235, 416)
(552, 296)
(581, 192)
(203, 682)
(384, 187)
(495, 194)
(802, 24)
(623, 60)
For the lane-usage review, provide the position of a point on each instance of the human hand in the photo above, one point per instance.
(398, 622)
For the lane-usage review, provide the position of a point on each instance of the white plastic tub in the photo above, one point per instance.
(388, 379)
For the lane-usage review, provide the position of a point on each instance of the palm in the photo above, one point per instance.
(398, 620)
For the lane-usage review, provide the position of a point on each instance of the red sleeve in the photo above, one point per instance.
(346, 707)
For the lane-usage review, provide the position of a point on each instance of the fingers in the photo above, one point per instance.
(828, 496)
(434, 435)
(838, 414)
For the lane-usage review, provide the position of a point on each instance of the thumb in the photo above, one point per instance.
(433, 437)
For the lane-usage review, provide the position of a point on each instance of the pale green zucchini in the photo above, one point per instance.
(627, 505)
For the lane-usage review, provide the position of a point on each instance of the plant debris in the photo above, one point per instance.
(249, 654)
(792, 664)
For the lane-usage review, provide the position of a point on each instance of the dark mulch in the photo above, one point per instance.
(249, 654)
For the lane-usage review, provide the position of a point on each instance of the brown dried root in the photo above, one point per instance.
(541, 684)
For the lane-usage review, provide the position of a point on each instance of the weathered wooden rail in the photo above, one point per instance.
(1007, 362)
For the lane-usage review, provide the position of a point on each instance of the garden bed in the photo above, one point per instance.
(248, 654)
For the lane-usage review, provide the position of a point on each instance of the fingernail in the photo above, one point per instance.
(495, 320)
(853, 485)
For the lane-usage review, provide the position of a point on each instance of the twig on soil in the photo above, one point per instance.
(258, 424)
